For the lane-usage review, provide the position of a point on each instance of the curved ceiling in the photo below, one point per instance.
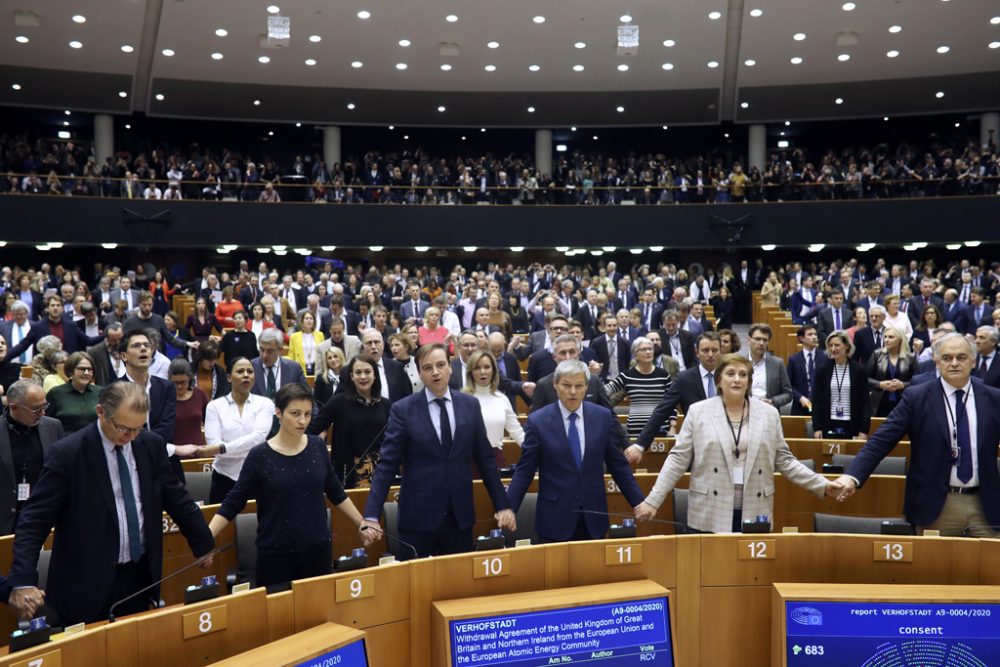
(773, 59)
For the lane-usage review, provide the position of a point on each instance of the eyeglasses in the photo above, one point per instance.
(84, 369)
(35, 411)
(124, 430)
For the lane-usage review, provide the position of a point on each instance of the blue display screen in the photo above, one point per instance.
(623, 634)
(351, 655)
(892, 634)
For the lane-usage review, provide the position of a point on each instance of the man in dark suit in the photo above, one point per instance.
(613, 351)
(25, 437)
(872, 297)
(108, 364)
(689, 386)
(436, 435)
(987, 366)
(952, 483)
(802, 369)
(837, 317)
(869, 338)
(271, 371)
(589, 315)
(953, 310)
(978, 313)
(676, 342)
(540, 364)
(396, 384)
(55, 323)
(510, 370)
(925, 298)
(249, 294)
(566, 347)
(569, 444)
(413, 307)
(652, 312)
(91, 489)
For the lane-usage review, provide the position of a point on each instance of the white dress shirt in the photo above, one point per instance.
(224, 425)
(124, 547)
(970, 412)
(435, 411)
(579, 425)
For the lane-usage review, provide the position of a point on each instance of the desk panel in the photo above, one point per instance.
(316, 599)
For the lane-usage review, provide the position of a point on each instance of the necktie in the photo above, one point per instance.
(272, 387)
(965, 294)
(710, 389)
(612, 357)
(593, 312)
(131, 511)
(445, 423)
(573, 434)
(810, 371)
(23, 359)
(878, 339)
(836, 320)
(926, 301)
(983, 368)
(964, 439)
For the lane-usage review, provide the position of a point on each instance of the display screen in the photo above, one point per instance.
(622, 634)
(892, 634)
(350, 655)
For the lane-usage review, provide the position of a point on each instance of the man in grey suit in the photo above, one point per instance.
(125, 292)
(350, 345)
(25, 437)
(271, 371)
(770, 379)
(837, 317)
(108, 364)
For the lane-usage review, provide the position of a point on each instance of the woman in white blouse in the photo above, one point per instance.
(234, 424)
(482, 377)
(895, 317)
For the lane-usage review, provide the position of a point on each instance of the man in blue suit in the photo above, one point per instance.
(569, 443)
(413, 307)
(436, 434)
(802, 369)
(953, 424)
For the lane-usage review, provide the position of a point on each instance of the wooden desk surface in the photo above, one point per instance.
(296, 648)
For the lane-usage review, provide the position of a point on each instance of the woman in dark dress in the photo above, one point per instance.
(290, 476)
(161, 291)
(239, 342)
(201, 323)
(723, 305)
(359, 416)
(518, 316)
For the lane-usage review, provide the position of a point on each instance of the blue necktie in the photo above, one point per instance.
(710, 391)
(574, 441)
(964, 439)
(131, 511)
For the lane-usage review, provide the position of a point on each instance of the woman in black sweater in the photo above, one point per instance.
(840, 405)
(289, 475)
(240, 342)
(358, 415)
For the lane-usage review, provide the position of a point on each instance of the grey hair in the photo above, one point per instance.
(877, 309)
(272, 336)
(18, 306)
(949, 337)
(640, 341)
(48, 344)
(566, 338)
(991, 331)
(570, 367)
(17, 391)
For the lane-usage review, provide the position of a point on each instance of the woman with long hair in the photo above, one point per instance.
(482, 379)
(889, 372)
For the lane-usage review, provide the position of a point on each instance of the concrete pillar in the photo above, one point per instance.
(757, 151)
(989, 121)
(331, 146)
(104, 137)
(543, 151)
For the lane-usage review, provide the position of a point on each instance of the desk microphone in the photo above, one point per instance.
(395, 539)
(616, 515)
(198, 561)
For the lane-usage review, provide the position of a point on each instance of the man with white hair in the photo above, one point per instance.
(17, 329)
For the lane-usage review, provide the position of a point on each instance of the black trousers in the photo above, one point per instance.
(580, 532)
(447, 539)
(221, 485)
(129, 578)
(282, 568)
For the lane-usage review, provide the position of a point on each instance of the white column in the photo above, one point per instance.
(331, 146)
(757, 151)
(989, 121)
(104, 137)
(543, 151)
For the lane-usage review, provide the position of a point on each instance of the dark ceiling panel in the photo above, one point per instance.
(83, 91)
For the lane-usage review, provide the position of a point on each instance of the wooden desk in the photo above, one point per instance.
(298, 648)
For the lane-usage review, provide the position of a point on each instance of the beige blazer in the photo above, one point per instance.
(706, 444)
(352, 348)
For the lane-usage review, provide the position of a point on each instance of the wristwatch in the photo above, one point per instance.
(222, 449)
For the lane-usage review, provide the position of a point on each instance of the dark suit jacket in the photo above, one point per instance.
(434, 479)
(600, 347)
(954, 314)
(102, 364)
(545, 393)
(921, 416)
(406, 309)
(540, 364)
(825, 324)
(117, 295)
(687, 346)
(917, 304)
(162, 414)
(73, 338)
(290, 372)
(861, 414)
(866, 303)
(656, 316)
(589, 324)
(49, 430)
(992, 377)
(799, 379)
(971, 323)
(74, 495)
(685, 388)
(864, 344)
(564, 488)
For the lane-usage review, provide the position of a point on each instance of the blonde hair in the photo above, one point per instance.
(470, 382)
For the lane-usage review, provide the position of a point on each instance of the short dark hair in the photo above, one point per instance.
(425, 350)
(129, 335)
(804, 329)
(293, 391)
(208, 349)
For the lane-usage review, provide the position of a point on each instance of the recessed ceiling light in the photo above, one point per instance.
(839, 100)
(749, 62)
(885, 118)
(273, 9)
(298, 125)
(669, 43)
(445, 67)
(625, 18)
(68, 112)
(939, 94)
(995, 45)
(756, 13)
(79, 18)
(539, 19)
(712, 64)
(623, 67)
(350, 106)
(263, 60)
(404, 43)
(160, 97)
(745, 105)
(216, 56)
(270, 133)
(715, 16)
(787, 123)
(580, 45)
(15, 86)
(364, 15)
(572, 129)
(531, 109)
(128, 126)
(76, 44)
(958, 125)
(995, 20)
(943, 49)
(441, 109)
(168, 52)
(534, 68)
(400, 66)
(482, 129)
(357, 64)
(310, 61)
(127, 48)
(21, 39)
(451, 18)
(895, 28)
(493, 45)
(490, 68)
(122, 94)
(577, 68)
(392, 127)
(665, 127)
(799, 36)
(620, 109)
(848, 6)
(667, 66)
(221, 32)
(595, 137)
(315, 39)
(891, 54)
(844, 57)
(256, 103)
(796, 60)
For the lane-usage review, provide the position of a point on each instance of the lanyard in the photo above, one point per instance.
(955, 451)
(840, 378)
(738, 434)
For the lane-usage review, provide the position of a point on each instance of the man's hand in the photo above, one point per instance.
(918, 346)
(507, 520)
(767, 400)
(594, 368)
(186, 451)
(633, 454)
(644, 511)
(861, 436)
(528, 388)
(25, 601)
(846, 487)
(194, 345)
(806, 403)
(207, 561)
(371, 532)
(818, 435)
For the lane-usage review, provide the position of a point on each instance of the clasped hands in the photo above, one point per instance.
(371, 531)
(26, 601)
(841, 488)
